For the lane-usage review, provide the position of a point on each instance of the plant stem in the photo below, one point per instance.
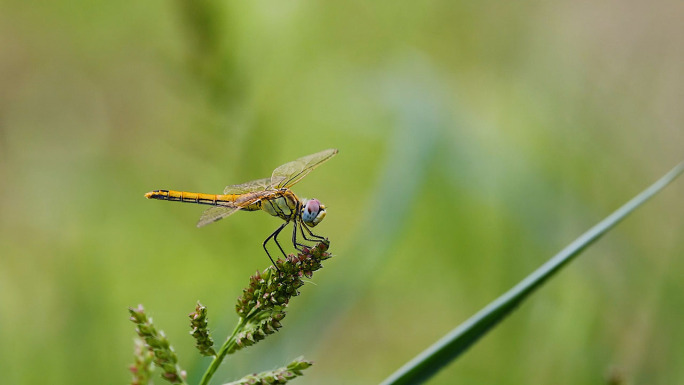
(218, 358)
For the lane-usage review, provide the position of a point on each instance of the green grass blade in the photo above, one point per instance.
(461, 338)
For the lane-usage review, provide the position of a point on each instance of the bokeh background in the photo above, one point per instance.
(476, 140)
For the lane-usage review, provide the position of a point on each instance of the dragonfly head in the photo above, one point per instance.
(313, 212)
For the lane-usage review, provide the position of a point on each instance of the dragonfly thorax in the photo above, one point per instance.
(282, 203)
(313, 212)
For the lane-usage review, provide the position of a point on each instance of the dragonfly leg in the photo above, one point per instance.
(296, 244)
(317, 238)
(294, 237)
(275, 238)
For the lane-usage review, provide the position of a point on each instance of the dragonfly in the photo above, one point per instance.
(272, 195)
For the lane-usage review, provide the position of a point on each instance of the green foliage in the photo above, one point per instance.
(262, 304)
(200, 331)
(157, 343)
(260, 309)
(143, 365)
(275, 377)
(455, 343)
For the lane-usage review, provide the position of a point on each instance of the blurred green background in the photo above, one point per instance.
(476, 140)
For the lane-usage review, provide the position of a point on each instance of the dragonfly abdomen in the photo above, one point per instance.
(191, 197)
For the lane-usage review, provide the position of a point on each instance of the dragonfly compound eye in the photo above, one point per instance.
(313, 212)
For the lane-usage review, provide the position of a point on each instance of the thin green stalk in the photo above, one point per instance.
(460, 339)
(218, 358)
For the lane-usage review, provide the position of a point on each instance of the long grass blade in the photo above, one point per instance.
(452, 345)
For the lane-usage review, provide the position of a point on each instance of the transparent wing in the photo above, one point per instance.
(255, 185)
(292, 172)
(213, 214)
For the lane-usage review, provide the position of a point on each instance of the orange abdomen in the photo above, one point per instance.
(190, 197)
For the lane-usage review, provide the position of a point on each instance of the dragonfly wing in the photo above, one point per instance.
(255, 185)
(292, 172)
(213, 214)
